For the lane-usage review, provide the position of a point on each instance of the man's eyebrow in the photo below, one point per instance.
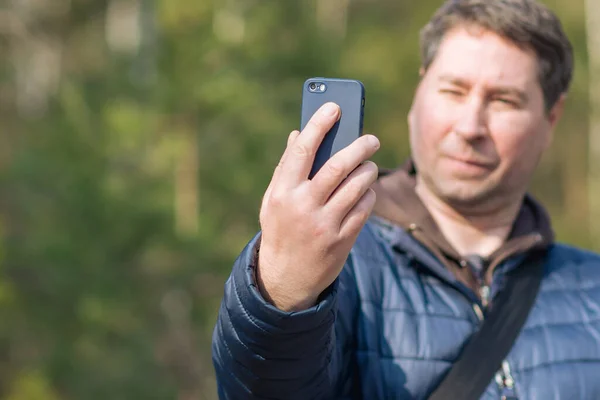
(497, 90)
(453, 80)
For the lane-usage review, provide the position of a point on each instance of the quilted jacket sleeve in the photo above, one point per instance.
(260, 352)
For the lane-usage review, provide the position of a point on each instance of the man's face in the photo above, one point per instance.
(478, 124)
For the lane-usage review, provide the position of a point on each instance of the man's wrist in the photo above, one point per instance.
(279, 298)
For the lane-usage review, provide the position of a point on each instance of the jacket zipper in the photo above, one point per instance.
(484, 293)
(503, 377)
(506, 382)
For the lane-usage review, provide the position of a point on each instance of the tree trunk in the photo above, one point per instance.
(186, 185)
(593, 42)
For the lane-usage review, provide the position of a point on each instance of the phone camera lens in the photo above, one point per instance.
(312, 86)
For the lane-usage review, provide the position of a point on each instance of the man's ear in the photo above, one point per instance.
(554, 116)
(421, 72)
(556, 111)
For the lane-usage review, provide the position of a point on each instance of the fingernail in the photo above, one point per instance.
(374, 141)
(329, 109)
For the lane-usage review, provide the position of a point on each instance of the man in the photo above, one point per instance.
(362, 286)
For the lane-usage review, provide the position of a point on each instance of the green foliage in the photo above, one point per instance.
(125, 204)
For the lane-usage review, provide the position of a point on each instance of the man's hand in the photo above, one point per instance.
(309, 226)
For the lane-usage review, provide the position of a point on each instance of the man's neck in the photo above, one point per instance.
(470, 232)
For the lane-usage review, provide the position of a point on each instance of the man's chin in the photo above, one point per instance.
(466, 194)
(461, 194)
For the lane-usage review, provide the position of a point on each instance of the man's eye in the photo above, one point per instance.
(451, 92)
(508, 102)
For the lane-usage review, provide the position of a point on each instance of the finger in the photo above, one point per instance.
(351, 190)
(291, 138)
(290, 141)
(301, 153)
(338, 167)
(358, 215)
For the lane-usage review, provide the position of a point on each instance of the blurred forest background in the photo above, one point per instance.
(137, 138)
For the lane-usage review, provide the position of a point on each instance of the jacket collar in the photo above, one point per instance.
(398, 202)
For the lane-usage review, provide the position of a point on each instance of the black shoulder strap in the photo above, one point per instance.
(482, 356)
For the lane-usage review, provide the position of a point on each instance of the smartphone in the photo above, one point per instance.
(349, 95)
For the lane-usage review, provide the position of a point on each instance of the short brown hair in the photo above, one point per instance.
(527, 23)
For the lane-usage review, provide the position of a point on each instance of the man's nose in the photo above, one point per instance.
(471, 120)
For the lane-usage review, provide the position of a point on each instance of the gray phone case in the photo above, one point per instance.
(349, 95)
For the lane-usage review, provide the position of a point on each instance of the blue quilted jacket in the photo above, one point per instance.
(394, 321)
